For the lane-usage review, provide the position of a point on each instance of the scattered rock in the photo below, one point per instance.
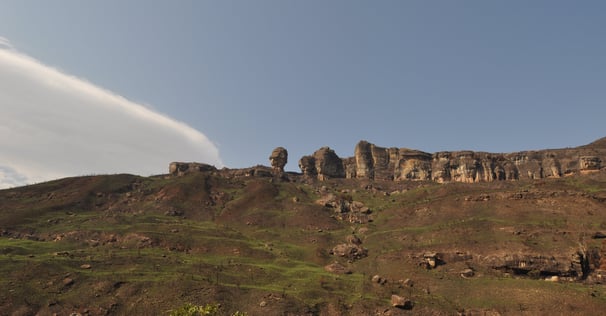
(432, 259)
(598, 235)
(350, 251)
(263, 303)
(353, 239)
(407, 282)
(351, 211)
(379, 280)
(357, 206)
(401, 302)
(553, 278)
(173, 212)
(479, 198)
(467, 273)
(363, 230)
(68, 281)
(86, 266)
(337, 268)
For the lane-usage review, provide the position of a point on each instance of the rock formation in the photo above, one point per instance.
(403, 164)
(323, 164)
(400, 164)
(181, 168)
(278, 159)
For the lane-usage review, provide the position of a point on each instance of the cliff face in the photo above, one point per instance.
(400, 164)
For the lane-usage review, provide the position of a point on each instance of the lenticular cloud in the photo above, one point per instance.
(54, 125)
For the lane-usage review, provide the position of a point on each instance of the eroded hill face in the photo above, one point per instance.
(401, 164)
(264, 242)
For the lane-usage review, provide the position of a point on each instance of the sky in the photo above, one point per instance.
(89, 87)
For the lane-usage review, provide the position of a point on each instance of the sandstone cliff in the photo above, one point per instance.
(374, 162)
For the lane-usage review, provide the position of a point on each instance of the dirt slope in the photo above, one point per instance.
(123, 244)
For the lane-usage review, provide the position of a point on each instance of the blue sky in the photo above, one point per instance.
(495, 76)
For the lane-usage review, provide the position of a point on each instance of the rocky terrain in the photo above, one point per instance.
(386, 232)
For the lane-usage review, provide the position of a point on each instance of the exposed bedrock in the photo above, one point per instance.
(401, 164)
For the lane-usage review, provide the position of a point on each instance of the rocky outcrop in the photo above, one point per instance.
(590, 163)
(182, 168)
(346, 210)
(278, 159)
(538, 266)
(403, 164)
(323, 164)
(432, 259)
(351, 250)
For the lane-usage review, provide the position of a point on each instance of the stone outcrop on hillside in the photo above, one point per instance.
(578, 266)
(399, 164)
(182, 168)
(402, 164)
(278, 159)
(323, 164)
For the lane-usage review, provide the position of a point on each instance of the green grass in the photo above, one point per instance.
(585, 184)
(260, 241)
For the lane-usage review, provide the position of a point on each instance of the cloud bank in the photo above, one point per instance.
(55, 125)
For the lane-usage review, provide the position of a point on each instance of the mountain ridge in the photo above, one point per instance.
(267, 242)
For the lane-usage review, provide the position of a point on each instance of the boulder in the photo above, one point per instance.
(349, 251)
(598, 235)
(432, 259)
(359, 207)
(467, 273)
(378, 279)
(68, 281)
(353, 239)
(400, 302)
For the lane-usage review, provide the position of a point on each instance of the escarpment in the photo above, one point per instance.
(401, 164)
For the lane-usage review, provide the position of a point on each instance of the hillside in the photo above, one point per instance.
(295, 245)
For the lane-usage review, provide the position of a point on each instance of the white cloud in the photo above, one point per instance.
(5, 43)
(55, 125)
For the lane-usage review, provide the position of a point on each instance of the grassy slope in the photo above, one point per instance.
(246, 241)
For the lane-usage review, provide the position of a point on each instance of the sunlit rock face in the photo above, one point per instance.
(403, 164)
(323, 164)
(590, 163)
